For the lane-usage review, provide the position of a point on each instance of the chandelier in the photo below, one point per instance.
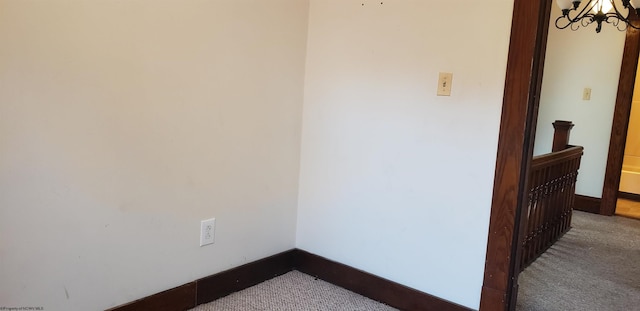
(575, 15)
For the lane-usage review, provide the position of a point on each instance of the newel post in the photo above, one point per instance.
(561, 135)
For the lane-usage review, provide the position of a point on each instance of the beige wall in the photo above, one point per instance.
(125, 123)
(395, 180)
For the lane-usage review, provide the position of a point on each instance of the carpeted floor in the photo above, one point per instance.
(595, 266)
(294, 291)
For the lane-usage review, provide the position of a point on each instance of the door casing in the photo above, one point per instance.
(523, 82)
(621, 115)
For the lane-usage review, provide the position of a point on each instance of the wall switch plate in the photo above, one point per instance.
(444, 83)
(586, 94)
(207, 231)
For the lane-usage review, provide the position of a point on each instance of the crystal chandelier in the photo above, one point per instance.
(575, 14)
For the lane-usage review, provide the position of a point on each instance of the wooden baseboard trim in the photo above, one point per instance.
(629, 196)
(224, 283)
(587, 204)
(215, 286)
(180, 298)
(237, 279)
(369, 285)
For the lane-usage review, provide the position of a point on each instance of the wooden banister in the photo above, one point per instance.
(561, 135)
(552, 182)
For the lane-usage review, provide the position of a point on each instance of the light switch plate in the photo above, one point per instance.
(444, 83)
(586, 94)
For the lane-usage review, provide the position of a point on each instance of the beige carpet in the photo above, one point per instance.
(294, 291)
(593, 267)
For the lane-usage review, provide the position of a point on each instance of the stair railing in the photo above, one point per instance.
(552, 182)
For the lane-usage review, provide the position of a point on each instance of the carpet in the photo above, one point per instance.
(595, 266)
(294, 291)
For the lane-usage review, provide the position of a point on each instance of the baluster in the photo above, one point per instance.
(551, 195)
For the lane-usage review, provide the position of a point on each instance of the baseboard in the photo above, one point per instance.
(215, 286)
(629, 196)
(587, 204)
(369, 285)
(224, 283)
(237, 279)
(180, 298)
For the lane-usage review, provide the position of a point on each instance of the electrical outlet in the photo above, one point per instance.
(207, 231)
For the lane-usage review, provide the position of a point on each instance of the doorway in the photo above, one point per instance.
(515, 145)
(621, 115)
(628, 203)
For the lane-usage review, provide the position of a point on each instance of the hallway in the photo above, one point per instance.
(592, 267)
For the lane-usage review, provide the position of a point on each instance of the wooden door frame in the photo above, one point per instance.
(525, 64)
(620, 124)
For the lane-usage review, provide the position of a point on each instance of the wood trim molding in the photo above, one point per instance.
(230, 281)
(525, 64)
(621, 119)
(587, 204)
(369, 285)
(629, 196)
(180, 298)
(215, 286)
(224, 283)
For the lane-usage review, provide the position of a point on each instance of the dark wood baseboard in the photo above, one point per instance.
(215, 286)
(180, 298)
(629, 196)
(587, 204)
(237, 279)
(369, 285)
(224, 283)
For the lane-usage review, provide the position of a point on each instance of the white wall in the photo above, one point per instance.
(395, 180)
(125, 123)
(575, 60)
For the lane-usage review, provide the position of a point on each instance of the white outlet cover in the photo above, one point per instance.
(207, 231)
